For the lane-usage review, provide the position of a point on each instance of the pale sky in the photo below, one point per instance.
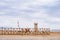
(45, 12)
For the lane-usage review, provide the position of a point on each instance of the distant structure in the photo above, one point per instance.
(25, 31)
(18, 23)
(35, 27)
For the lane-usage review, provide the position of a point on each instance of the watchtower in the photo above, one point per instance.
(35, 27)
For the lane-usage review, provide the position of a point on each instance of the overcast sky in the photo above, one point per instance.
(45, 12)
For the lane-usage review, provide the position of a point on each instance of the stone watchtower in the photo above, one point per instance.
(35, 27)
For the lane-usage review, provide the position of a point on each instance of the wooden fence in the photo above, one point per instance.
(24, 31)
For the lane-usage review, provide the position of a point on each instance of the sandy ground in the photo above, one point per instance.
(52, 36)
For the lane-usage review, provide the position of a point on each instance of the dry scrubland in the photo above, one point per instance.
(52, 36)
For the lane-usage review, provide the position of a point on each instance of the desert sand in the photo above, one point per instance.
(52, 36)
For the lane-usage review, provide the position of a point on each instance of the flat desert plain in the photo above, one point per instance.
(52, 36)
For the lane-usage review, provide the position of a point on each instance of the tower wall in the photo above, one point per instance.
(35, 27)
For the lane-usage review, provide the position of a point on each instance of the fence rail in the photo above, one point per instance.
(24, 31)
